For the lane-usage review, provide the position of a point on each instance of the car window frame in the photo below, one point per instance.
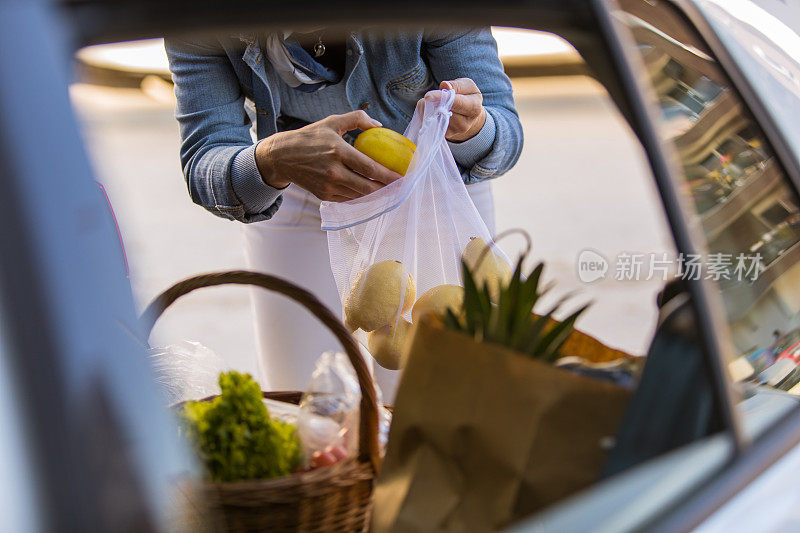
(710, 313)
(662, 158)
(749, 459)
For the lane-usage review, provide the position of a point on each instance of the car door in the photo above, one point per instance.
(707, 101)
(674, 490)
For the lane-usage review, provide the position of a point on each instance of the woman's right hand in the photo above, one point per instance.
(317, 159)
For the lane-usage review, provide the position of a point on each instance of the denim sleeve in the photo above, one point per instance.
(473, 54)
(217, 153)
(467, 153)
(256, 196)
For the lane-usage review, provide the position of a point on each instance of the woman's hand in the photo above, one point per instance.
(317, 159)
(468, 112)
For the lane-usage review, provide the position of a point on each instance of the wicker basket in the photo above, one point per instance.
(335, 498)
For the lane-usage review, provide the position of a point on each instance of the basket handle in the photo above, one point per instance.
(368, 421)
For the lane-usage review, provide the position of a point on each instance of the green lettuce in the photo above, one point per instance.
(235, 436)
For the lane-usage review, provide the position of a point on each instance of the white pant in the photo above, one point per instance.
(291, 245)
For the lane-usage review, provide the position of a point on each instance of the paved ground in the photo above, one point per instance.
(581, 183)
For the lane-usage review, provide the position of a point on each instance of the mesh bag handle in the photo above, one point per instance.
(368, 421)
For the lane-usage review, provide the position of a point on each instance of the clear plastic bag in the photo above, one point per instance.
(329, 411)
(186, 371)
(406, 238)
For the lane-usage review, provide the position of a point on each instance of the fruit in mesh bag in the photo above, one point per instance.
(387, 147)
(381, 293)
(437, 300)
(487, 267)
(388, 344)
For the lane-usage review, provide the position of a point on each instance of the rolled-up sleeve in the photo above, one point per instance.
(467, 153)
(473, 54)
(250, 188)
(217, 152)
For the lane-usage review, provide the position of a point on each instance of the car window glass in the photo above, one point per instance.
(740, 198)
(762, 37)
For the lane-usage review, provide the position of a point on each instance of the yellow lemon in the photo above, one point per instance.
(379, 296)
(487, 269)
(438, 300)
(387, 147)
(389, 344)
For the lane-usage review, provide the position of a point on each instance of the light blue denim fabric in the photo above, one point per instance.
(386, 74)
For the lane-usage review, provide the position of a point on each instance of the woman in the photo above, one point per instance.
(306, 94)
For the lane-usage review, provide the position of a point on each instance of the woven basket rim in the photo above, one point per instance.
(332, 498)
(368, 447)
(318, 475)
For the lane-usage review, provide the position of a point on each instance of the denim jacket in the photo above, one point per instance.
(386, 74)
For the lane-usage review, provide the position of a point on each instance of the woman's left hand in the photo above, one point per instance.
(468, 112)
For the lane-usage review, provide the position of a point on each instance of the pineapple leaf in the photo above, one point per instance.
(451, 320)
(501, 319)
(533, 342)
(511, 322)
(486, 308)
(523, 306)
(472, 305)
(513, 291)
(533, 334)
(557, 336)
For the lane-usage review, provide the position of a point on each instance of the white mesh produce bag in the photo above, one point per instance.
(424, 221)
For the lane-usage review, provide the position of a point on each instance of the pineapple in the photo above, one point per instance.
(511, 322)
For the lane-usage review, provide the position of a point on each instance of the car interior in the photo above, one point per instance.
(638, 142)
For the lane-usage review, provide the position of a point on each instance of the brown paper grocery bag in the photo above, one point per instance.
(482, 436)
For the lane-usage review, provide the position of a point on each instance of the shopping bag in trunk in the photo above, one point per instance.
(392, 246)
(483, 435)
